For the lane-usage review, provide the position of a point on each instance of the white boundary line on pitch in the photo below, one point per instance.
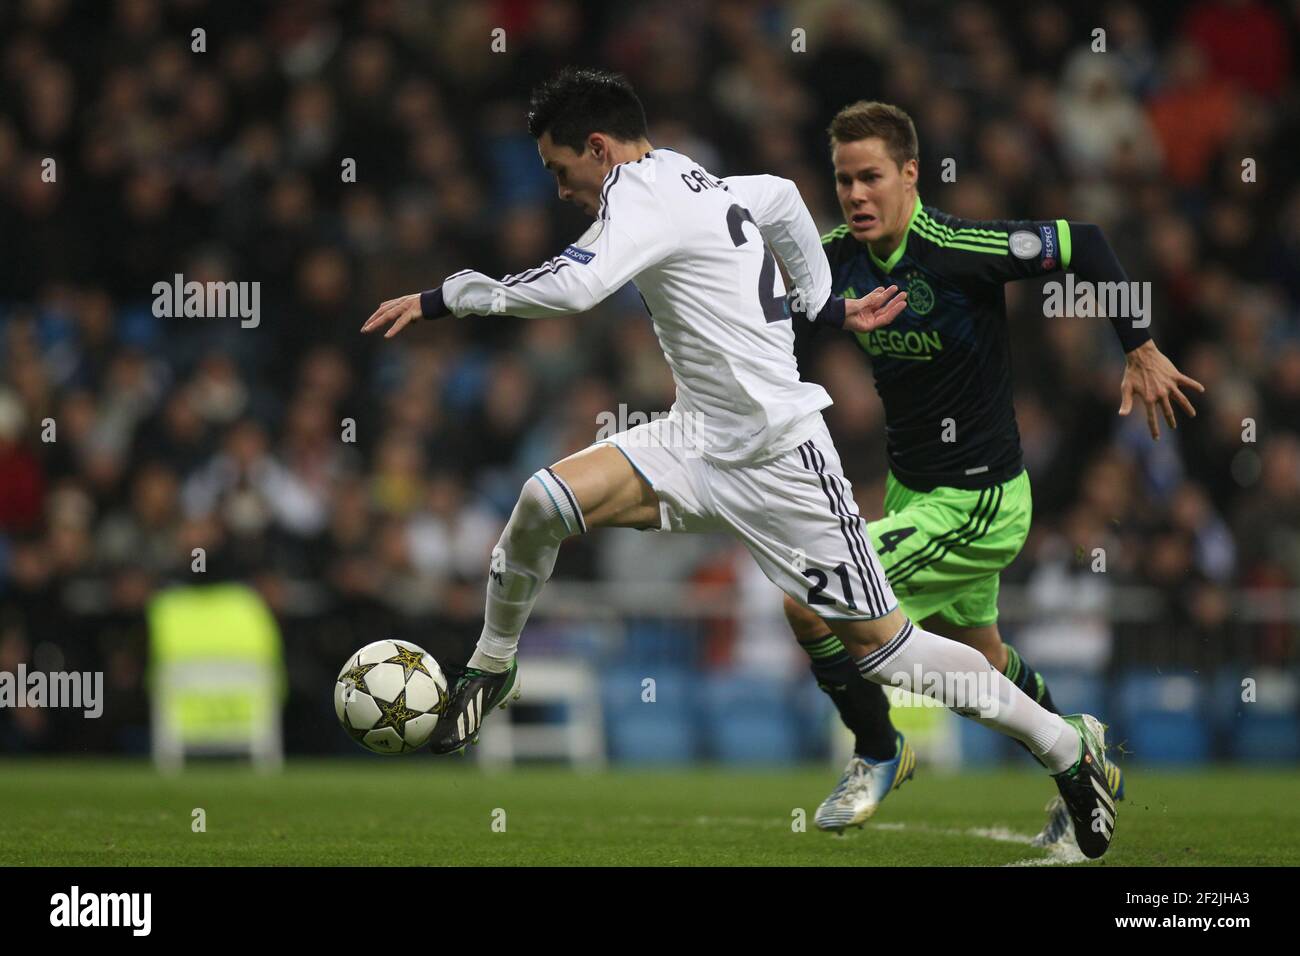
(1058, 854)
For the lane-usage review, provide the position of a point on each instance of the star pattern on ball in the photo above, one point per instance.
(394, 714)
(410, 660)
(357, 676)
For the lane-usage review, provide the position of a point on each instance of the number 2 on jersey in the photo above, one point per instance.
(774, 306)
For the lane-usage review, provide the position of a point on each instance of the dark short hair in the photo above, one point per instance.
(864, 120)
(575, 103)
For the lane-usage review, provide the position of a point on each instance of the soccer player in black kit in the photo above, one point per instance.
(957, 499)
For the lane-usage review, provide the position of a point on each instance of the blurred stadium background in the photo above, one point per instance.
(180, 433)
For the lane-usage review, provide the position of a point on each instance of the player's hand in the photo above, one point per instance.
(874, 310)
(1154, 380)
(401, 312)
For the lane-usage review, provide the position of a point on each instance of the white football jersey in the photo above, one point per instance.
(696, 248)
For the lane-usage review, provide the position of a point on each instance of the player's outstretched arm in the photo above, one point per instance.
(565, 285)
(1006, 250)
(1148, 375)
(1154, 380)
(568, 284)
(874, 310)
(399, 312)
(632, 234)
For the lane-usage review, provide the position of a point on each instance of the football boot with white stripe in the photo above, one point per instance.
(1059, 828)
(474, 694)
(1085, 790)
(863, 786)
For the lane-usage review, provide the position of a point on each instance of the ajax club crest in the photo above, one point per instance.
(920, 297)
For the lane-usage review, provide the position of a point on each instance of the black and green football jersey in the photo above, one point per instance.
(943, 367)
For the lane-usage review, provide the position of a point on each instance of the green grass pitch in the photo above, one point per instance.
(418, 811)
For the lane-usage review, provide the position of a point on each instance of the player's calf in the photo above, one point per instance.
(863, 706)
(988, 641)
(962, 678)
(596, 484)
(546, 513)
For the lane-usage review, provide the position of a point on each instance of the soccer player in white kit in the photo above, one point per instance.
(744, 449)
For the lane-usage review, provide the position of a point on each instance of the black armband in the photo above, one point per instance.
(1093, 260)
(832, 313)
(432, 305)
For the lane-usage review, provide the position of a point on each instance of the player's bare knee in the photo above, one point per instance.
(546, 508)
(861, 637)
(805, 624)
(608, 489)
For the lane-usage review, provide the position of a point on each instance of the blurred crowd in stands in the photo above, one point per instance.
(360, 483)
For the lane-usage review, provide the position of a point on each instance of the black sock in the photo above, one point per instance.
(863, 706)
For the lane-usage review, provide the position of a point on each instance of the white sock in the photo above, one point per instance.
(964, 680)
(547, 512)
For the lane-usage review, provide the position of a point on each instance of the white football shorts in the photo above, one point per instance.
(795, 513)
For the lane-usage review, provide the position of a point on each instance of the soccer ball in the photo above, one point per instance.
(388, 696)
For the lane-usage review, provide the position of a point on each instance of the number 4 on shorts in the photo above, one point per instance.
(890, 540)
